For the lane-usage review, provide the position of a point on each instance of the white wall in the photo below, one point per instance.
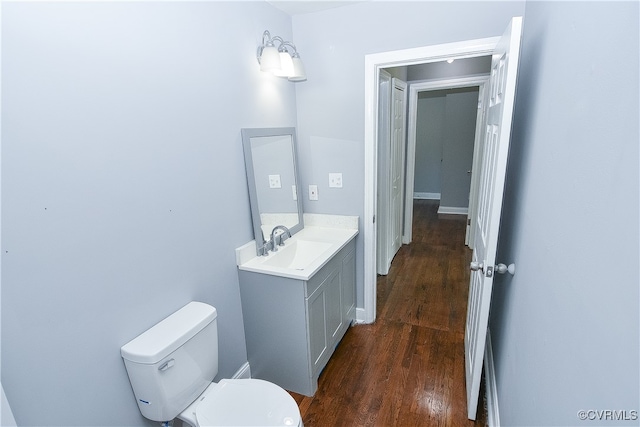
(565, 328)
(123, 188)
(333, 45)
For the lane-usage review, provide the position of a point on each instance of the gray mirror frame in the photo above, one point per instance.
(247, 134)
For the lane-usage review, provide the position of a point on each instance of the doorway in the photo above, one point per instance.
(374, 63)
(444, 118)
(504, 51)
(425, 87)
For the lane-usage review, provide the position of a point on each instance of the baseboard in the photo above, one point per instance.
(360, 316)
(243, 372)
(451, 210)
(493, 414)
(427, 196)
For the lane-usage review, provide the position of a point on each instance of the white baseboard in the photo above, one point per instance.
(450, 210)
(360, 316)
(243, 372)
(493, 413)
(427, 196)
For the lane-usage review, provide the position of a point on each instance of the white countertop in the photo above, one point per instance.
(337, 231)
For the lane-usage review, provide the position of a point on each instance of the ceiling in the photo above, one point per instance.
(299, 7)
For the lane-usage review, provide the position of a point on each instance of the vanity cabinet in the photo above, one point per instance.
(293, 326)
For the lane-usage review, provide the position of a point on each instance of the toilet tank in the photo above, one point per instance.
(172, 363)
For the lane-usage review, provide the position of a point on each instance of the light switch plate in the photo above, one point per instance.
(274, 181)
(335, 180)
(313, 192)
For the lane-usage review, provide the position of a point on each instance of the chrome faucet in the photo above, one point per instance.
(277, 239)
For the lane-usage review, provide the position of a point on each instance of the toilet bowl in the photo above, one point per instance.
(171, 367)
(243, 402)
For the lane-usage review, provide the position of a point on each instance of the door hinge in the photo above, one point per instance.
(468, 221)
(374, 219)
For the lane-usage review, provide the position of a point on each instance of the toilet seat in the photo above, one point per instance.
(247, 402)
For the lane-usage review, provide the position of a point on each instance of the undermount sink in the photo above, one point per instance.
(297, 255)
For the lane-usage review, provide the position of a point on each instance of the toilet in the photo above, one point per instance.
(171, 368)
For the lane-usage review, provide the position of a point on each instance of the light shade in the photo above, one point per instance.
(283, 61)
(299, 74)
(286, 66)
(269, 59)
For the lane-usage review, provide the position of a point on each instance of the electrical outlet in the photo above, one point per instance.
(313, 192)
(335, 180)
(274, 181)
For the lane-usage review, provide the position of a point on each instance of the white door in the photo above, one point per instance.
(384, 154)
(502, 85)
(398, 126)
(478, 146)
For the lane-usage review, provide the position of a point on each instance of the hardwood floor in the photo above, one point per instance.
(406, 369)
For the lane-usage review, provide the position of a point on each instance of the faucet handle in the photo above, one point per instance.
(264, 248)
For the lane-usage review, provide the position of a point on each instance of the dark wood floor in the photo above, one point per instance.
(406, 369)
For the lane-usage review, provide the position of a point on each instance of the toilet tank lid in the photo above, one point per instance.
(168, 335)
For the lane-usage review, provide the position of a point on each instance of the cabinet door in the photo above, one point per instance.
(317, 326)
(333, 290)
(349, 287)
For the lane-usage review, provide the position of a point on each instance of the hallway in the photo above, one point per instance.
(407, 369)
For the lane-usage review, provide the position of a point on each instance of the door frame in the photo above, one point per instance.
(373, 64)
(479, 81)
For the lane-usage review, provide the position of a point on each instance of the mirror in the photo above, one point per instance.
(272, 176)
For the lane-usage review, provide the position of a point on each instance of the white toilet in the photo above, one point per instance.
(171, 367)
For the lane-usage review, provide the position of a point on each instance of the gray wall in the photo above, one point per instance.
(330, 104)
(444, 70)
(457, 153)
(429, 141)
(123, 188)
(565, 328)
(445, 135)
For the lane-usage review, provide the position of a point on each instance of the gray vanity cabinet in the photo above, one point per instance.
(292, 326)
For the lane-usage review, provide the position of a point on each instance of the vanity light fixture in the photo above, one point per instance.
(283, 61)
